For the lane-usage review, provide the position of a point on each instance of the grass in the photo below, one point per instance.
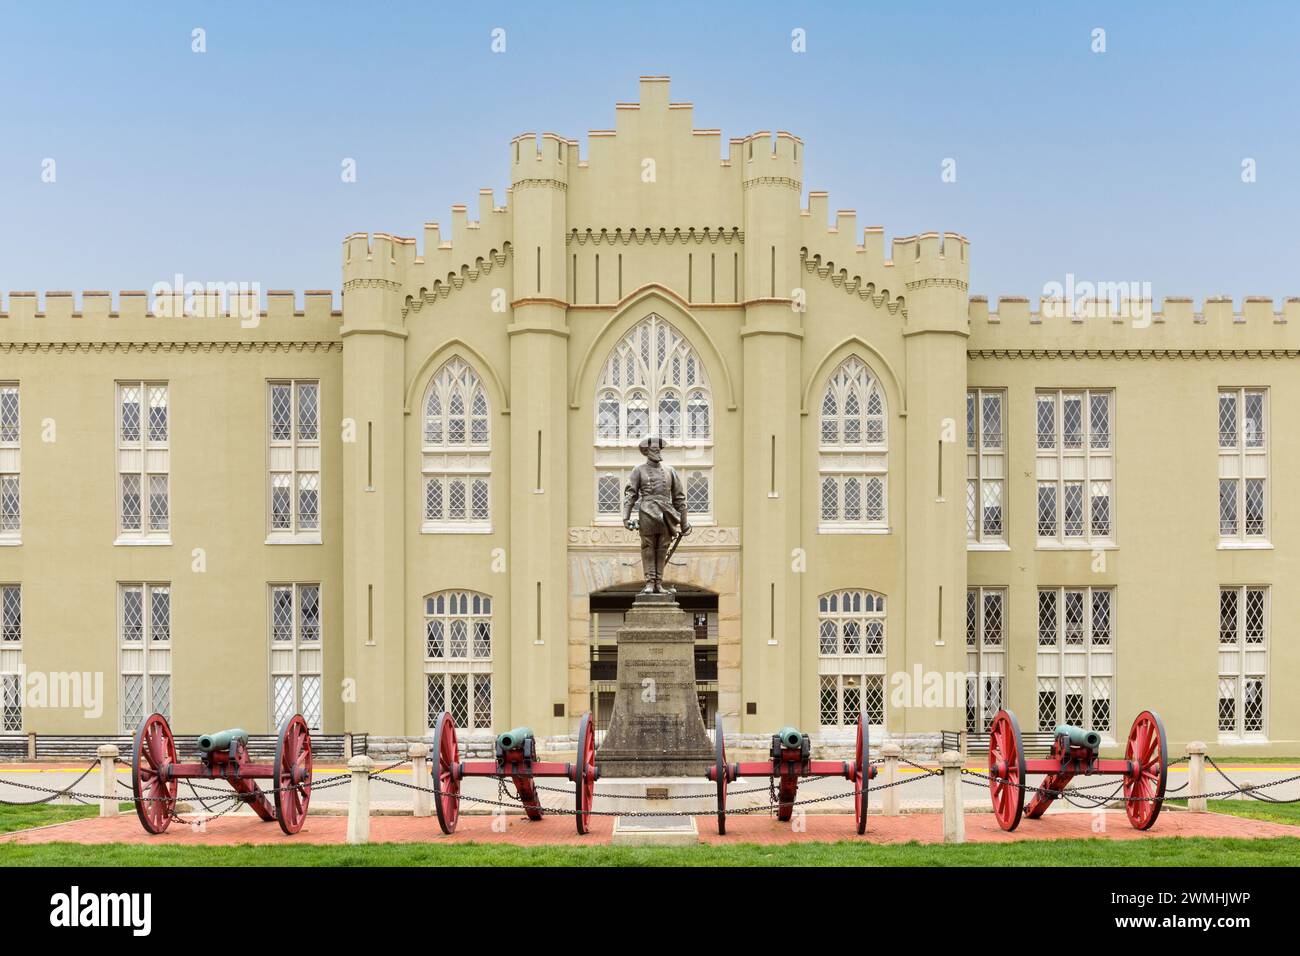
(1253, 810)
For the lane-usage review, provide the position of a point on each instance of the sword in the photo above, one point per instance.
(672, 548)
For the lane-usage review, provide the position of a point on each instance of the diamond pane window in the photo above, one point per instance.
(1243, 660)
(851, 642)
(10, 462)
(1075, 467)
(458, 655)
(144, 652)
(985, 656)
(11, 607)
(697, 493)
(1076, 657)
(143, 461)
(293, 410)
(609, 496)
(854, 454)
(985, 465)
(1243, 466)
(9, 415)
(296, 653)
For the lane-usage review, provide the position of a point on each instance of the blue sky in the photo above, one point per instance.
(1124, 166)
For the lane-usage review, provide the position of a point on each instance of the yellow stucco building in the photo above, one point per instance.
(904, 501)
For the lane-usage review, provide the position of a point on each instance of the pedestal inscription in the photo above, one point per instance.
(656, 729)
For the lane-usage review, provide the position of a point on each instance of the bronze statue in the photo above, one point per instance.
(656, 492)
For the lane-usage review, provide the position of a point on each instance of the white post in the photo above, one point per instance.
(359, 799)
(108, 780)
(954, 816)
(891, 753)
(419, 754)
(1196, 802)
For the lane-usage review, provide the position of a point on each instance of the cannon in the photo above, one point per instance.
(790, 760)
(514, 757)
(156, 773)
(1075, 753)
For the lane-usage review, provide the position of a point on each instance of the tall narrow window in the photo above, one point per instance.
(143, 462)
(145, 652)
(851, 658)
(11, 659)
(456, 462)
(1243, 661)
(295, 456)
(11, 510)
(986, 656)
(1075, 468)
(853, 458)
(1076, 658)
(986, 466)
(296, 654)
(458, 658)
(653, 383)
(1243, 465)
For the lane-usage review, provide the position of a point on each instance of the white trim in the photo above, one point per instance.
(293, 537)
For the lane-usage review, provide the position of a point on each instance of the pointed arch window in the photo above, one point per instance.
(853, 455)
(653, 383)
(456, 453)
(851, 658)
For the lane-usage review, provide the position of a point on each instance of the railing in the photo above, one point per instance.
(951, 740)
(1037, 743)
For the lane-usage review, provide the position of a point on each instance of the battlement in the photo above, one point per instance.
(1123, 324)
(211, 313)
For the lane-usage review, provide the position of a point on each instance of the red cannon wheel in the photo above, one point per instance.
(152, 784)
(720, 772)
(1006, 770)
(584, 776)
(861, 774)
(1148, 756)
(292, 774)
(446, 773)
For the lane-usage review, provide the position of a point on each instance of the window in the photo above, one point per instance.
(11, 511)
(293, 409)
(1243, 465)
(458, 658)
(986, 467)
(11, 658)
(1243, 661)
(1075, 467)
(456, 462)
(851, 657)
(986, 656)
(653, 383)
(853, 451)
(296, 654)
(145, 652)
(143, 462)
(1076, 658)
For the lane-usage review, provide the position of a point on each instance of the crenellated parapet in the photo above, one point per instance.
(212, 314)
(1133, 326)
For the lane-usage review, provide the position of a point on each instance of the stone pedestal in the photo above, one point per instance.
(656, 729)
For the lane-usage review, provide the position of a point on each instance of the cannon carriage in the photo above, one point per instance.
(156, 772)
(790, 761)
(1075, 752)
(514, 758)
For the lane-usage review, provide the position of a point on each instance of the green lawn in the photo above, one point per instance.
(1253, 809)
(44, 815)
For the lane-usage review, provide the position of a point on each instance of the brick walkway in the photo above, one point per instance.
(921, 827)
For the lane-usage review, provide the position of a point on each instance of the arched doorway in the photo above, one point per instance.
(610, 605)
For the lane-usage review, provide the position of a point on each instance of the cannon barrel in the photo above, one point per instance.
(512, 739)
(790, 737)
(1078, 736)
(222, 739)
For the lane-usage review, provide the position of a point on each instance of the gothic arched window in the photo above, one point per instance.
(456, 463)
(653, 383)
(854, 459)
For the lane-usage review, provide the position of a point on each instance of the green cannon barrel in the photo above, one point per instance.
(512, 739)
(1078, 736)
(222, 739)
(790, 736)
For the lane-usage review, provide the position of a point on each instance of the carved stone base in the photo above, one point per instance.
(656, 729)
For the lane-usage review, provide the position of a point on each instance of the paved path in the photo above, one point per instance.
(919, 827)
